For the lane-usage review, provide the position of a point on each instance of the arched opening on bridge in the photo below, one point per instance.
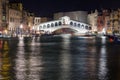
(82, 26)
(65, 31)
(52, 25)
(60, 23)
(71, 23)
(48, 25)
(86, 27)
(56, 24)
(75, 24)
(44, 26)
(78, 25)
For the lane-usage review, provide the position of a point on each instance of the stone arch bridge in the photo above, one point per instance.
(63, 22)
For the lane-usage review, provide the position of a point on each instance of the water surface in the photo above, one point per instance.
(76, 59)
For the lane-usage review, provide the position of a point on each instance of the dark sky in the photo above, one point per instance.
(48, 7)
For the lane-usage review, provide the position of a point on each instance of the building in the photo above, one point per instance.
(115, 20)
(24, 21)
(102, 20)
(20, 21)
(3, 15)
(16, 5)
(92, 20)
(45, 19)
(15, 18)
(27, 21)
(31, 17)
(37, 20)
(110, 20)
(74, 15)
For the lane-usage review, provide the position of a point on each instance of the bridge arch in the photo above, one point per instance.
(55, 29)
(52, 26)
(63, 30)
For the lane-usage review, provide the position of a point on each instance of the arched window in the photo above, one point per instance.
(86, 27)
(90, 28)
(75, 24)
(56, 24)
(82, 26)
(60, 23)
(71, 23)
(44, 26)
(40, 27)
(52, 25)
(78, 25)
(48, 25)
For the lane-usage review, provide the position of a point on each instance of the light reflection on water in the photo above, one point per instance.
(65, 60)
(68, 60)
(5, 61)
(20, 66)
(28, 67)
(103, 64)
(35, 63)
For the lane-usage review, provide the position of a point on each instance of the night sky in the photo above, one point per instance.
(48, 7)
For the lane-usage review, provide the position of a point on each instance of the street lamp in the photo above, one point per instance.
(21, 27)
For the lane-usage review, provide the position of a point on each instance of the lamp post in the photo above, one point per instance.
(33, 30)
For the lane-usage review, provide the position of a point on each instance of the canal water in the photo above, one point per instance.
(70, 59)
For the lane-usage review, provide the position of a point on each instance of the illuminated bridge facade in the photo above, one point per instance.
(63, 22)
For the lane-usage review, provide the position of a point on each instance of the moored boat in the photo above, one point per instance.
(114, 39)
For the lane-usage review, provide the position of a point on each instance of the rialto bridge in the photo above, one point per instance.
(63, 22)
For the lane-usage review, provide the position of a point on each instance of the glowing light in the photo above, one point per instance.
(21, 26)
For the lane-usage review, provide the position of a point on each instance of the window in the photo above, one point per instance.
(11, 19)
(3, 18)
(90, 28)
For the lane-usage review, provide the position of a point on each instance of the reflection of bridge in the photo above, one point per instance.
(63, 22)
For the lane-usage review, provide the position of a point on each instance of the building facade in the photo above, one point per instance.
(31, 17)
(74, 15)
(3, 15)
(115, 21)
(15, 18)
(110, 20)
(20, 21)
(92, 20)
(37, 20)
